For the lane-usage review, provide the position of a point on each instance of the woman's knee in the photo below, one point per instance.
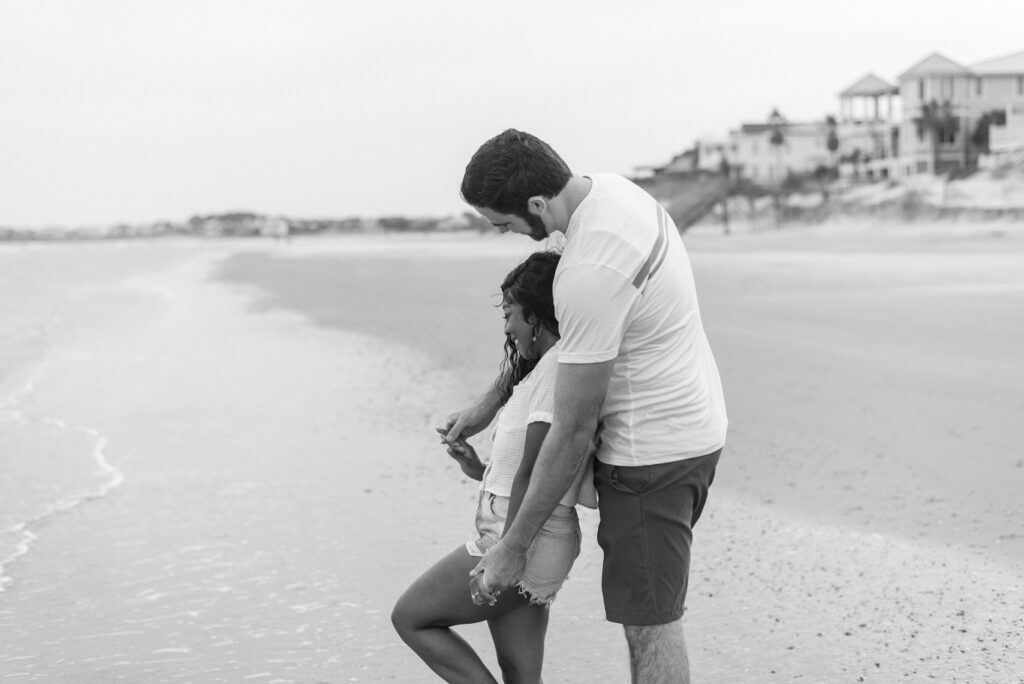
(403, 616)
(519, 671)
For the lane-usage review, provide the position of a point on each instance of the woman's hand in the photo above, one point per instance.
(468, 422)
(465, 455)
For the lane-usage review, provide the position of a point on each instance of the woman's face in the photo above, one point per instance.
(517, 328)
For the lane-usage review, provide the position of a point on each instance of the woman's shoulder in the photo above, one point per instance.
(547, 365)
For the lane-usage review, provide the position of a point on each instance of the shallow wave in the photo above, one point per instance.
(49, 467)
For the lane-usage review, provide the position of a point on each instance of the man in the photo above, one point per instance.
(635, 369)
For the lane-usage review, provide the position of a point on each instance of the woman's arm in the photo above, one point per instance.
(469, 421)
(464, 453)
(535, 434)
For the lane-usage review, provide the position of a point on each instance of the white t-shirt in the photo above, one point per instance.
(624, 290)
(532, 401)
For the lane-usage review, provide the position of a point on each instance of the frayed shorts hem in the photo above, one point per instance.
(550, 557)
(538, 598)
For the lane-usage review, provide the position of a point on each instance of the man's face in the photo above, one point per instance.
(531, 225)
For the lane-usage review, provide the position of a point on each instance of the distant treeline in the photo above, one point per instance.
(249, 224)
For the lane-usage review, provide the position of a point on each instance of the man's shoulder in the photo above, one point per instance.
(617, 188)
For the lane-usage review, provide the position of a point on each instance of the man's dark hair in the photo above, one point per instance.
(509, 169)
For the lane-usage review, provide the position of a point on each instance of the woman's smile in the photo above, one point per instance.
(516, 327)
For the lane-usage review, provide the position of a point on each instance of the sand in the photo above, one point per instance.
(266, 411)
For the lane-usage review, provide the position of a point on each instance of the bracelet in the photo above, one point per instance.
(507, 548)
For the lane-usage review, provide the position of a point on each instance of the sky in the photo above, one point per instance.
(138, 110)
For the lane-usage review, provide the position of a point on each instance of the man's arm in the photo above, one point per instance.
(535, 434)
(579, 393)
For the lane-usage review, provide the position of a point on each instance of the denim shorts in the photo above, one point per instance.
(551, 555)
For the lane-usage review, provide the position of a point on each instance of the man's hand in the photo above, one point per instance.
(478, 594)
(499, 569)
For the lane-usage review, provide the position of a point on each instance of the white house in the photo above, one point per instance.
(936, 87)
(999, 87)
(945, 104)
(868, 128)
(803, 149)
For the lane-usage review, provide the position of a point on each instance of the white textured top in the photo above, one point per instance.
(624, 290)
(532, 401)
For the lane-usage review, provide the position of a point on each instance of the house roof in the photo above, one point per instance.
(870, 85)
(812, 128)
(935, 65)
(1008, 64)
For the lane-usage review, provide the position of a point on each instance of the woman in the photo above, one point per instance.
(441, 597)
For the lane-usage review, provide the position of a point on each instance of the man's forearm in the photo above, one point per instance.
(558, 463)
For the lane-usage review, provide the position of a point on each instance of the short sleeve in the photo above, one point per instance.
(541, 408)
(594, 305)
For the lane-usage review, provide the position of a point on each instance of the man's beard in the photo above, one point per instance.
(537, 230)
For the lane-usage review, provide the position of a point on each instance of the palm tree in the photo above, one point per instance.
(777, 124)
(938, 120)
(832, 142)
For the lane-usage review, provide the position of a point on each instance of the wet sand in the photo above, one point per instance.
(271, 415)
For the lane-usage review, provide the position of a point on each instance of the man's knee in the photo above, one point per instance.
(657, 653)
(646, 638)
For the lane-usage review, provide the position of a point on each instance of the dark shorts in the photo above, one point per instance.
(646, 528)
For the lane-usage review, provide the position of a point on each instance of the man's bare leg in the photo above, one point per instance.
(657, 653)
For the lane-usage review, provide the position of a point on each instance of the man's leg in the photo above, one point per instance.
(657, 654)
(647, 516)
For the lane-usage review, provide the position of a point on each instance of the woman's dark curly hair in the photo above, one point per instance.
(529, 285)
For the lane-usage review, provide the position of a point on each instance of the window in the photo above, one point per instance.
(1020, 85)
(920, 89)
(977, 87)
(947, 135)
(946, 87)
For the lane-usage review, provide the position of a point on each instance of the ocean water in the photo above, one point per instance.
(63, 309)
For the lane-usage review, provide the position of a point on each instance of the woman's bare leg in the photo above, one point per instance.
(439, 599)
(519, 640)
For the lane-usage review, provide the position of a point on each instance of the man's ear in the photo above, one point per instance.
(537, 205)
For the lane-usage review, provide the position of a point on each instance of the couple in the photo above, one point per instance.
(622, 361)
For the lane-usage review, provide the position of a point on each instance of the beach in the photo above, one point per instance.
(219, 463)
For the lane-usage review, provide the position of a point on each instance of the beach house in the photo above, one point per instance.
(938, 112)
(801, 149)
(868, 129)
(941, 117)
(999, 94)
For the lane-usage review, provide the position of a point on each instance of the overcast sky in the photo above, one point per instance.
(143, 110)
